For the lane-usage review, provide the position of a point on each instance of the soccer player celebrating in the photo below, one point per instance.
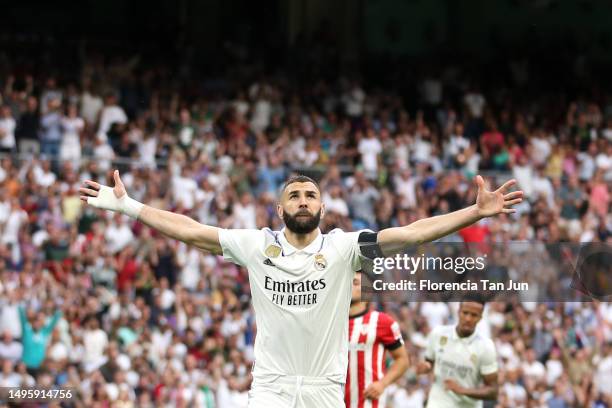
(462, 361)
(300, 280)
(370, 334)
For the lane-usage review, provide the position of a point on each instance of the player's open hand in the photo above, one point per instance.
(374, 390)
(491, 203)
(453, 386)
(92, 189)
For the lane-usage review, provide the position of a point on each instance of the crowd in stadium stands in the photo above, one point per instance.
(128, 318)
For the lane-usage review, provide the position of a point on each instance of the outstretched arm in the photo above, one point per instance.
(488, 203)
(397, 369)
(488, 391)
(22, 316)
(173, 225)
(48, 328)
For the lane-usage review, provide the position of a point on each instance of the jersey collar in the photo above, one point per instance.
(467, 339)
(313, 248)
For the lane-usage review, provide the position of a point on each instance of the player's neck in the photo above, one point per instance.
(300, 241)
(358, 308)
(462, 334)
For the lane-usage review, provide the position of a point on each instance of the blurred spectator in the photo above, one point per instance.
(35, 338)
(51, 130)
(28, 127)
(7, 130)
(111, 114)
(72, 126)
(10, 349)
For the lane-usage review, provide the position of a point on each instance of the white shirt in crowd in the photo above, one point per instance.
(369, 148)
(204, 199)
(90, 107)
(118, 236)
(12, 380)
(524, 177)
(353, 101)
(603, 374)
(5, 210)
(42, 177)
(70, 148)
(95, 342)
(402, 155)
(455, 144)
(405, 187)
(184, 190)
(110, 114)
(403, 399)
(262, 110)
(244, 215)
(335, 205)
(146, 150)
(9, 318)
(436, 313)
(160, 342)
(463, 359)
(58, 351)
(535, 370)
(103, 153)
(516, 393)
(188, 258)
(7, 132)
(229, 398)
(16, 218)
(421, 149)
(11, 351)
(306, 157)
(554, 370)
(542, 187)
(475, 103)
(587, 166)
(541, 149)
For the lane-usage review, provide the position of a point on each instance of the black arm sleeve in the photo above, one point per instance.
(368, 245)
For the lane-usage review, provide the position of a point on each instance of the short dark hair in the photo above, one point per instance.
(300, 178)
(475, 298)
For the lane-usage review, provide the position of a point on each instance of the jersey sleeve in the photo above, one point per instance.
(389, 333)
(430, 351)
(488, 360)
(238, 244)
(354, 245)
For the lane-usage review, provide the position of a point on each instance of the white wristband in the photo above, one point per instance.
(107, 200)
(130, 207)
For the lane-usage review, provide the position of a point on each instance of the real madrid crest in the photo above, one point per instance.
(473, 359)
(273, 251)
(443, 340)
(320, 262)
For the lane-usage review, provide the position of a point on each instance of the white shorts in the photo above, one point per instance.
(296, 392)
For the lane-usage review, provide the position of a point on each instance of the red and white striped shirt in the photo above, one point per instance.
(370, 333)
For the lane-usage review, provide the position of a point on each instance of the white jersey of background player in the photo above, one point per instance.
(464, 362)
(300, 280)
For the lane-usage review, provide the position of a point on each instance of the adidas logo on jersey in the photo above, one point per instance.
(268, 262)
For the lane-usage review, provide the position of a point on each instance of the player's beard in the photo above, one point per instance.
(302, 225)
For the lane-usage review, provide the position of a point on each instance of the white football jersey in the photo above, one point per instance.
(301, 299)
(463, 359)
